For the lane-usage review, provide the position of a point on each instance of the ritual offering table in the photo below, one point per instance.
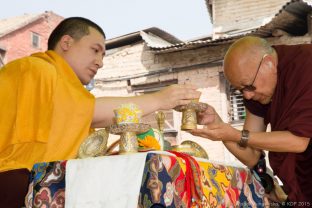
(168, 179)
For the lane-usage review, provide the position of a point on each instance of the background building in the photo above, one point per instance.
(23, 35)
(150, 59)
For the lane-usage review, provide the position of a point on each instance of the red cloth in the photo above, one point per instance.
(193, 185)
(291, 110)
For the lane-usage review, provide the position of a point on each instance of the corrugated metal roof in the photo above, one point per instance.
(291, 18)
(153, 40)
(241, 15)
(153, 36)
(233, 18)
(14, 23)
(189, 45)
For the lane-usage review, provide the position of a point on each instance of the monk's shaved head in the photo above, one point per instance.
(242, 58)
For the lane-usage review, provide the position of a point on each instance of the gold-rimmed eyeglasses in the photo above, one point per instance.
(251, 87)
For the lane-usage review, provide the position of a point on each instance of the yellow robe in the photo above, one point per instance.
(45, 111)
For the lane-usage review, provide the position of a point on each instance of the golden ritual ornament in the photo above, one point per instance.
(189, 117)
(128, 140)
(94, 145)
(191, 148)
(160, 118)
(128, 125)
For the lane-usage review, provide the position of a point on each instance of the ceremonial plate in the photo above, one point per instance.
(191, 148)
(94, 145)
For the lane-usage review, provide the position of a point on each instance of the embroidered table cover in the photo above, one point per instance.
(163, 183)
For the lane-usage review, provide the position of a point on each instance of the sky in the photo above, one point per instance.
(184, 19)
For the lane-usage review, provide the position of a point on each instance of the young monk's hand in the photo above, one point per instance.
(176, 94)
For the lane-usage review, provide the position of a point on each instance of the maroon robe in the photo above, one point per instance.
(291, 110)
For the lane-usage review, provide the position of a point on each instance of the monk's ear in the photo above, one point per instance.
(66, 42)
(271, 63)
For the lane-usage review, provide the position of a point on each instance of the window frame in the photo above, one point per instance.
(35, 44)
(236, 107)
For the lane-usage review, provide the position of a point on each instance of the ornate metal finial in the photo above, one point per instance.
(160, 118)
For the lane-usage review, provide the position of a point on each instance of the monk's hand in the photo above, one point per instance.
(209, 116)
(175, 95)
(218, 132)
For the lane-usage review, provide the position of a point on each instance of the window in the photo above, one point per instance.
(237, 112)
(35, 38)
(150, 88)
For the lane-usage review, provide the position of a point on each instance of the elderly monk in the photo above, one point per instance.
(276, 83)
(46, 112)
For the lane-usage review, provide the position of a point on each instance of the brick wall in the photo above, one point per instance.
(19, 43)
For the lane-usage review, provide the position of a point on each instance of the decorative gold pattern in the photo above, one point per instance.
(128, 143)
(130, 127)
(197, 106)
(128, 140)
(94, 145)
(160, 118)
(191, 148)
(189, 117)
(128, 113)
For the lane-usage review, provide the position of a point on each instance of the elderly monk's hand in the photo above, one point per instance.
(209, 116)
(218, 132)
(175, 95)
